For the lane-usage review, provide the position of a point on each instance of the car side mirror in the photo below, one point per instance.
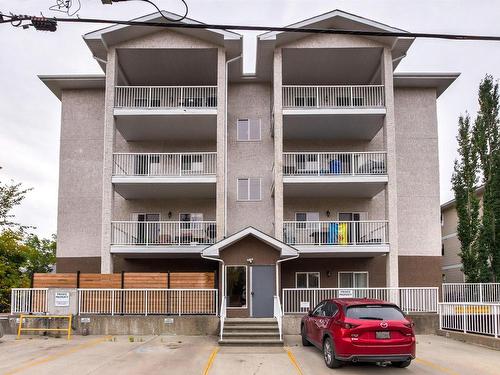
(309, 313)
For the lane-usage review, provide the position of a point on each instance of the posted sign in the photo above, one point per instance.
(304, 305)
(346, 293)
(61, 299)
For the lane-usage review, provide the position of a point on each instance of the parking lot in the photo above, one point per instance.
(201, 355)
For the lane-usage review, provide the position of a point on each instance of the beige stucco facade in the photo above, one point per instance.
(405, 199)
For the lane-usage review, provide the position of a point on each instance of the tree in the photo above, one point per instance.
(11, 195)
(485, 142)
(464, 182)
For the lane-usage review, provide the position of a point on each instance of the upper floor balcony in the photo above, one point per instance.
(333, 111)
(139, 237)
(165, 175)
(166, 112)
(334, 174)
(356, 238)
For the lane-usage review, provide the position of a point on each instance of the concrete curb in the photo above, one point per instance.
(471, 338)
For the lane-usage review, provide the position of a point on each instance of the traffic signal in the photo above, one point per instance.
(44, 24)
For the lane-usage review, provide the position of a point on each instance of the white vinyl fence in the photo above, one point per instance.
(151, 233)
(366, 232)
(300, 300)
(29, 301)
(480, 318)
(164, 164)
(334, 163)
(357, 96)
(148, 301)
(471, 292)
(167, 97)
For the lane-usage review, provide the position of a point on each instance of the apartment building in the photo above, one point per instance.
(451, 263)
(320, 170)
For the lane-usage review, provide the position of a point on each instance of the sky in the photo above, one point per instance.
(30, 113)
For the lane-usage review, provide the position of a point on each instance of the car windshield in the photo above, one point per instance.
(374, 312)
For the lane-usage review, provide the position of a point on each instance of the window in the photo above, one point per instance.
(236, 281)
(319, 309)
(191, 217)
(353, 279)
(249, 189)
(192, 163)
(306, 216)
(307, 279)
(248, 130)
(374, 312)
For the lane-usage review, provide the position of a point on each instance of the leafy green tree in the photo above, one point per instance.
(11, 195)
(464, 182)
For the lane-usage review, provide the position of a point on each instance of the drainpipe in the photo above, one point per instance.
(277, 271)
(225, 143)
(223, 274)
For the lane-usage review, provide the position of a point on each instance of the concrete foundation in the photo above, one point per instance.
(470, 338)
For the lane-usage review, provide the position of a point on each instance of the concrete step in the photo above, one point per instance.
(251, 320)
(251, 327)
(250, 335)
(251, 342)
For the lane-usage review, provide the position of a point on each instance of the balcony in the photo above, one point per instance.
(334, 174)
(340, 112)
(352, 238)
(166, 112)
(165, 175)
(157, 237)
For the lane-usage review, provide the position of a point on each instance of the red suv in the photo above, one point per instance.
(359, 330)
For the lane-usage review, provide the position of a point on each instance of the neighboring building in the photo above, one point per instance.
(321, 170)
(451, 264)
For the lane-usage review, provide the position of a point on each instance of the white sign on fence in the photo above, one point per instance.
(61, 299)
(346, 293)
(305, 305)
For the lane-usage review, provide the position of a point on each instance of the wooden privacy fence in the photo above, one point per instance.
(127, 280)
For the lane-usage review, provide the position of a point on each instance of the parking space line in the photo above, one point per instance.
(53, 357)
(210, 361)
(435, 366)
(293, 360)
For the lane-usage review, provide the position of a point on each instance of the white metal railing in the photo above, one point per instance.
(334, 163)
(158, 97)
(353, 96)
(29, 301)
(223, 314)
(471, 292)
(148, 301)
(300, 300)
(336, 232)
(148, 233)
(278, 315)
(481, 318)
(165, 164)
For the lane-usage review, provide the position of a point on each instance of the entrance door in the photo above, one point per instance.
(263, 290)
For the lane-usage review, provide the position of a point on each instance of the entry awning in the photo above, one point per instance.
(284, 249)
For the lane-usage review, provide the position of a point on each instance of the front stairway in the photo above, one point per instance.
(251, 332)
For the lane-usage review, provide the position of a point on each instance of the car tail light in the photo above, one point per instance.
(347, 325)
(410, 324)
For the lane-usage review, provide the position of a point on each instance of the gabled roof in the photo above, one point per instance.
(99, 40)
(285, 250)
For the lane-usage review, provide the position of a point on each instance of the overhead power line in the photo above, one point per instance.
(17, 20)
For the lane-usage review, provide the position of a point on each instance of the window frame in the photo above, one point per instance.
(353, 279)
(246, 285)
(249, 124)
(248, 186)
(307, 279)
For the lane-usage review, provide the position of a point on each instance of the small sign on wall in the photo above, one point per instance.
(305, 305)
(85, 320)
(346, 293)
(168, 320)
(61, 299)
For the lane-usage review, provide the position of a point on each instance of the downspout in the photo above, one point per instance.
(223, 278)
(225, 142)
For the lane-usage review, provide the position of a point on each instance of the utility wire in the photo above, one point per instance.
(169, 25)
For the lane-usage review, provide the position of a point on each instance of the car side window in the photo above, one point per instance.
(319, 310)
(331, 309)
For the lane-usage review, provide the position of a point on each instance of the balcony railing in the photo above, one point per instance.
(334, 163)
(165, 97)
(165, 165)
(357, 96)
(153, 233)
(341, 233)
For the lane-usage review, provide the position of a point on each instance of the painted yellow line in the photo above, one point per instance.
(293, 360)
(210, 361)
(58, 355)
(435, 366)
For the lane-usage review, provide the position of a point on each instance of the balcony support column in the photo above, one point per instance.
(107, 171)
(278, 144)
(221, 142)
(391, 193)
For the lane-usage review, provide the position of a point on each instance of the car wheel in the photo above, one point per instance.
(402, 364)
(329, 354)
(305, 342)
